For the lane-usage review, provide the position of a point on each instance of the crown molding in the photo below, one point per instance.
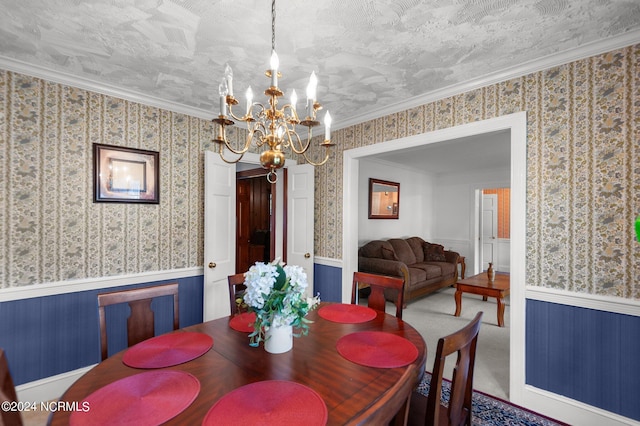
(550, 61)
(556, 59)
(56, 76)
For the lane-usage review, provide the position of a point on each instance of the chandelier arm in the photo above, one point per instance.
(303, 146)
(293, 114)
(240, 152)
(235, 151)
(326, 157)
(286, 134)
(261, 130)
(221, 152)
(236, 117)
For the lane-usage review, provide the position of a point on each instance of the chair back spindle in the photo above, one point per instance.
(140, 324)
(236, 290)
(378, 284)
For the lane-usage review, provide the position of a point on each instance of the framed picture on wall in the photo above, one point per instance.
(125, 175)
(384, 199)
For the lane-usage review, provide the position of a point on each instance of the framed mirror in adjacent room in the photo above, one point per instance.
(384, 199)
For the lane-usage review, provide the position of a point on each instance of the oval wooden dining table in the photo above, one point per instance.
(347, 388)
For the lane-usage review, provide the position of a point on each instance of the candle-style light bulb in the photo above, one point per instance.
(228, 76)
(294, 100)
(311, 93)
(311, 87)
(275, 63)
(223, 90)
(327, 126)
(249, 95)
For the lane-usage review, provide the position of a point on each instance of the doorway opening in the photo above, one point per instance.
(516, 123)
(255, 218)
(493, 233)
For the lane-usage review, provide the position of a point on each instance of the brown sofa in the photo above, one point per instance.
(425, 267)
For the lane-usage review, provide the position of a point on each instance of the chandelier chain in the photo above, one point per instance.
(273, 25)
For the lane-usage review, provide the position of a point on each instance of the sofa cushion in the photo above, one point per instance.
(403, 251)
(433, 253)
(431, 270)
(417, 275)
(388, 253)
(416, 245)
(374, 249)
(444, 269)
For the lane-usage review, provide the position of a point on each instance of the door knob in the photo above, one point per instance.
(212, 265)
(307, 255)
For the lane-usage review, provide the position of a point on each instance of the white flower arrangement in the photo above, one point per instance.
(276, 293)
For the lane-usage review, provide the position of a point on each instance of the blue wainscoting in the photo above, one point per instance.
(585, 354)
(45, 336)
(327, 280)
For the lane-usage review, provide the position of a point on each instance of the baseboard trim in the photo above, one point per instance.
(569, 410)
(49, 388)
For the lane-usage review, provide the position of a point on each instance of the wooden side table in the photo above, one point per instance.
(463, 266)
(480, 285)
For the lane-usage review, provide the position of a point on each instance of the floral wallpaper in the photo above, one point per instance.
(583, 177)
(51, 230)
(583, 168)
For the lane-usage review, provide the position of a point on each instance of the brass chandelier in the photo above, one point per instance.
(270, 127)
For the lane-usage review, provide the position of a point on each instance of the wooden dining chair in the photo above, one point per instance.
(7, 394)
(392, 408)
(458, 412)
(378, 284)
(140, 324)
(236, 290)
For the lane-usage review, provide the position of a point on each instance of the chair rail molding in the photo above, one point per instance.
(72, 286)
(327, 261)
(616, 305)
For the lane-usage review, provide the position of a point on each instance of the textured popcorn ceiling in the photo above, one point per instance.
(367, 54)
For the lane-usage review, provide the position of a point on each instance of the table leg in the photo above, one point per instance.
(484, 298)
(458, 297)
(500, 311)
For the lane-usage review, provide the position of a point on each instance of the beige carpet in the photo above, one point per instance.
(433, 317)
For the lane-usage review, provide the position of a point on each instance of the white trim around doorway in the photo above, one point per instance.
(516, 123)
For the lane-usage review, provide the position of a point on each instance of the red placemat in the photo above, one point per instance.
(347, 314)
(243, 322)
(167, 350)
(377, 349)
(271, 402)
(149, 398)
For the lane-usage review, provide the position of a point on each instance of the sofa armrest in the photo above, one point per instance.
(379, 266)
(451, 256)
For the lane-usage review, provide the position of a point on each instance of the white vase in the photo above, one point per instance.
(278, 339)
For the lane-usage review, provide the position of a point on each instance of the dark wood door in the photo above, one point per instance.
(243, 223)
(254, 220)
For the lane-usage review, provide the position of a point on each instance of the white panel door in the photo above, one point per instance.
(300, 204)
(489, 231)
(219, 234)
